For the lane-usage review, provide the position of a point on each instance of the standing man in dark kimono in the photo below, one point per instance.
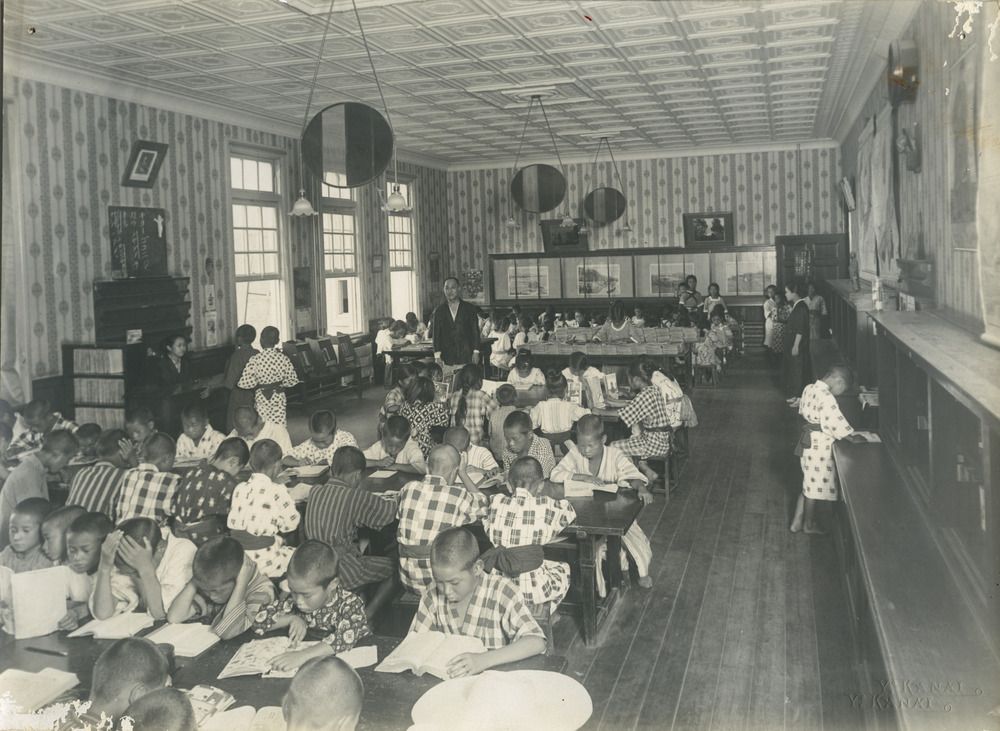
(798, 365)
(456, 328)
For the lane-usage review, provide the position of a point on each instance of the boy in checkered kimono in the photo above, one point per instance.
(824, 424)
(465, 600)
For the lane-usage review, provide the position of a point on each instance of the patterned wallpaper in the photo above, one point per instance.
(73, 146)
(770, 193)
(925, 213)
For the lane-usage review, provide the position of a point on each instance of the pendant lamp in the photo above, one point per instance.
(302, 206)
(537, 188)
(605, 204)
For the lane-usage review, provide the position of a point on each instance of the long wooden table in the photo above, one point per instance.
(389, 697)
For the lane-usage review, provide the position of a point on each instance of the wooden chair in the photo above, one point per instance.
(349, 363)
(543, 615)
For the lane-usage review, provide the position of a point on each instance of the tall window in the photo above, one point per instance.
(402, 278)
(340, 270)
(260, 287)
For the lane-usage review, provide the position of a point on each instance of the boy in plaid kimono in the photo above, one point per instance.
(529, 518)
(464, 600)
(262, 510)
(521, 442)
(428, 507)
(148, 490)
(824, 424)
(648, 415)
(591, 461)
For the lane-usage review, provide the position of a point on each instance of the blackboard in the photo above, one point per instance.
(138, 242)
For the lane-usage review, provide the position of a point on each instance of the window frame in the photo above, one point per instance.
(344, 206)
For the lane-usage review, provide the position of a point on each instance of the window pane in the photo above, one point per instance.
(241, 265)
(250, 175)
(240, 240)
(270, 240)
(239, 216)
(254, 240)
(343, 305)
(253, 216)
(261, 304)
(265, 173)
(403, 289)
(256, 264)
(236, 172)
(271, 263)
(269, 218)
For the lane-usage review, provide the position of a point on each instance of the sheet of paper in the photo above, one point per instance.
(116, 627)
(39, 601)
(490, 387)
(360, 657)
(310, 470)
(188, 640)
(382, 474)
(268, 718)
(34, 690)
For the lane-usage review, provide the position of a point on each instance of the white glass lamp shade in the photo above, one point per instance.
(302, 206)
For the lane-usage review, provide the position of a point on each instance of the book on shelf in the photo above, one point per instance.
(429, 652)
(107, 417)
(189, 640)
(116, 627)
(105, 361)
(99, 390)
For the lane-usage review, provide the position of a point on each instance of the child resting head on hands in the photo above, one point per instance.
(316, 601)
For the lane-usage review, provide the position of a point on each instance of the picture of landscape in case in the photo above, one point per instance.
(598, 278)
(664, 278)
(528, 282)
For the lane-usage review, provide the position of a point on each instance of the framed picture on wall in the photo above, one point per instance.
(708, 229)
(378, 261)
(144, 164)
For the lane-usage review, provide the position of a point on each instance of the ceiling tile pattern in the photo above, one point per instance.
(660, 74)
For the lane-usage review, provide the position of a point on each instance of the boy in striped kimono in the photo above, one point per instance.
(592, 461)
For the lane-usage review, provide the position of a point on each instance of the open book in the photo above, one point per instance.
(208, 702)
(116, 627)
(31, 691)
(429, 652)
(490, 387)
(188, 640)
(581, 488)
(246, 718)
(254, 658)
(32, 602)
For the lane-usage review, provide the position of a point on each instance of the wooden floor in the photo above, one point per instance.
(746, 624)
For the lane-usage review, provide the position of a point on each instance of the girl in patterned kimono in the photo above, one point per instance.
(824, 424)
(269, 373)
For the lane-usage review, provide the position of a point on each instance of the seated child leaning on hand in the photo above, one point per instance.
(324, 439)
(521, 442)
(396, 450)
(596, 463)
(198, 440)
(524, 374)
(474, 456)
(225, 587)
(25, 550)
(141, 565)
(325, 695)
(84, 538)
(316, 601)
(87, 435)
(528, 518)
(465, 600)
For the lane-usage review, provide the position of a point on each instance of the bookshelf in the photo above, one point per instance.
(98, 378)
(158, 306)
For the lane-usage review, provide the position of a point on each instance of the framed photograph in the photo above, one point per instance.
(598, 279)
(378, 261)
(708, 229)
(144, 164)
(559, 239)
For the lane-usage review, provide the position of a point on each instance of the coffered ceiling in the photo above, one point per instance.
(656, 76)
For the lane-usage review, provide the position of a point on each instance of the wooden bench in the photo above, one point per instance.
(924, 657)
(321, 368)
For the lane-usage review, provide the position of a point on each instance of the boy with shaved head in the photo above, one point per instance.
(148, 490)
(430, 506)
(29, 478)
(325, 695)
(464, 600)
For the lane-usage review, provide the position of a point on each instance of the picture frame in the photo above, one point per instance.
(378, 261)
(144, 163)
(708, 229)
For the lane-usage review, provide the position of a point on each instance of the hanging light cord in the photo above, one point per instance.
(523, 131)
(551, 135)
(319, 60)
(364, 39)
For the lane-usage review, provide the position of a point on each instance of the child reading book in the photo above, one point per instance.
(524, 374)
(334, 513)
(140, 425)
(225, 587)
(430, 506)
(317, 602)
(198, 439)
(521, 442)
(395, 450)
(555, 415)
(95, 488)
(141, 565)
(528, 518)
(464, 600)
(84, 538)
(54, 532)
(29, 478)
(36, 421)
(202, 501)
(269, 373)
(324, 439)
(325, 695)
(251, 428)
(147, 490)
(470, 406)
(596, 463)
(24, 553)
(824, 425)
(505, 396)
(423, 411)
(262, 509)
(474, 456)
(87, 435)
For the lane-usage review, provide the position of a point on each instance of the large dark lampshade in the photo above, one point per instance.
(538, 188)
(348, 138)
(604, 205)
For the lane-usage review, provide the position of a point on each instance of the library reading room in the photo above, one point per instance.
(511, 365)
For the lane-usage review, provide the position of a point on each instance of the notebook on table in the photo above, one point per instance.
(188, 640)
(429, 652)
(116, 627)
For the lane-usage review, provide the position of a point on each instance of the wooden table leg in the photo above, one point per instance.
(588, 563)
(617, 578)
